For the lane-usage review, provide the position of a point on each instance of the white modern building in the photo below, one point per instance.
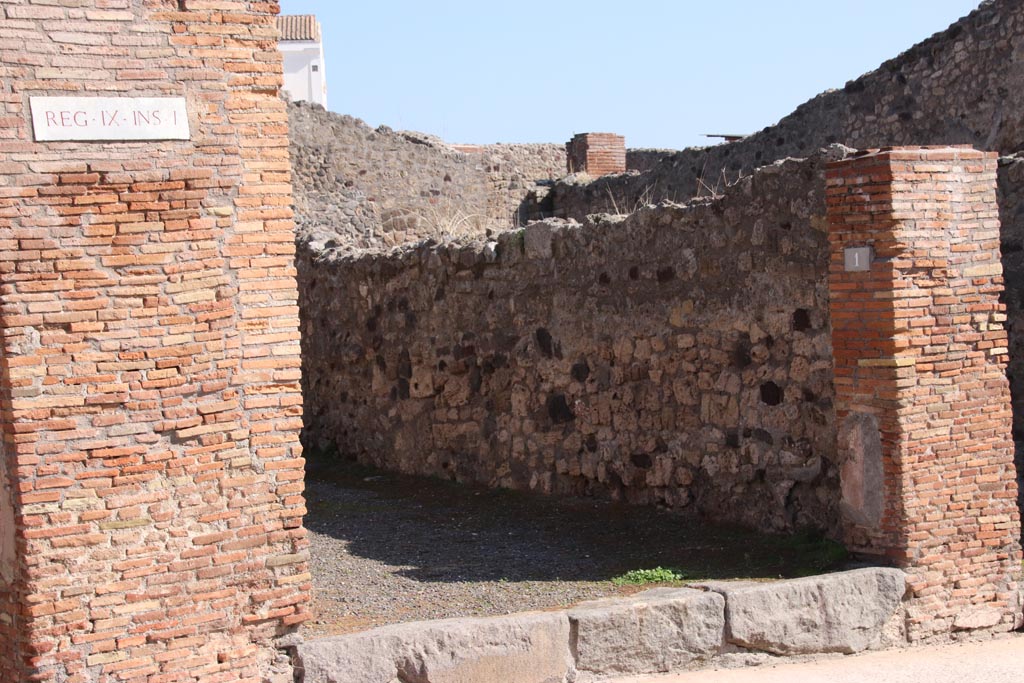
(303, 52)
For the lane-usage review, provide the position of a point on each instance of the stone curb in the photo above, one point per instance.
(842, 612)
(656, 631)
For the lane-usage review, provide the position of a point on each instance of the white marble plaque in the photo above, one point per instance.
(109, 118)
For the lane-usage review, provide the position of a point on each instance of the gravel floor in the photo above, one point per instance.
(389, 548)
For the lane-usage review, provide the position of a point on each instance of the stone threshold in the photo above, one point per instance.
(660, 630)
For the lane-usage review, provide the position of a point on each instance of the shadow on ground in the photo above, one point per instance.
(387, 548)
(436, 530)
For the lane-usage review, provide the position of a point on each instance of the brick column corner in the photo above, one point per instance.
(922, 400)
(151, 475)
(596, 154)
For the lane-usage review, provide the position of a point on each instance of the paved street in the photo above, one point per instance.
(995, 661)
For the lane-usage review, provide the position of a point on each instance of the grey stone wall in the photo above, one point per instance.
(678, 356)
(641, 160)
(363, 188)
(513, 171)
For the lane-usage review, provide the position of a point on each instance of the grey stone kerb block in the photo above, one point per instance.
(659, 630)
(519, 648)
(843, 612)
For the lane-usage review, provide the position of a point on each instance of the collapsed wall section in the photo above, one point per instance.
(149, 380)
(680, 356)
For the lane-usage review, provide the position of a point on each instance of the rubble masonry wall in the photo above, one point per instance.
(679, 356)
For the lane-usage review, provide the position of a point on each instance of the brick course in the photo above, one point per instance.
(149, 364)
(920, 358)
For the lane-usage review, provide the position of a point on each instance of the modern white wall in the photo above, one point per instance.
(304, 70)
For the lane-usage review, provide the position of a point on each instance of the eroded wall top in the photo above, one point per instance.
(364, 188)
(964, 85)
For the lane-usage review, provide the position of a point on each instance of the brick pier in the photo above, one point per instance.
(922, 400)
(596, 154)
(151, 508)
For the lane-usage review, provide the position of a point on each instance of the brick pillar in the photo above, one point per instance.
(922, 401)
(596, 154)
(151, 508)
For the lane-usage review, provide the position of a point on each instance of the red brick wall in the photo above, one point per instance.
(596, 154)
(149, 391)
(921, 395)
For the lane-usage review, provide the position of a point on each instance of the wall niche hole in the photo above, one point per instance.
(559, 410)
(741, 357)
(801, 320)
(641, 460)
(580, 371)
(544, 341)
(771, 393)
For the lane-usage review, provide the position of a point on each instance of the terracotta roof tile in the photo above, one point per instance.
(298, 27)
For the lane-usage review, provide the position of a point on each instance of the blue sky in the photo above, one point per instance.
(660, 73)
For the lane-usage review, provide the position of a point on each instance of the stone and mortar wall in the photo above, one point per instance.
(149, 374)
(513, 171)
(641, 160)
(360, 188)
(922, 400)
(679, 356)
